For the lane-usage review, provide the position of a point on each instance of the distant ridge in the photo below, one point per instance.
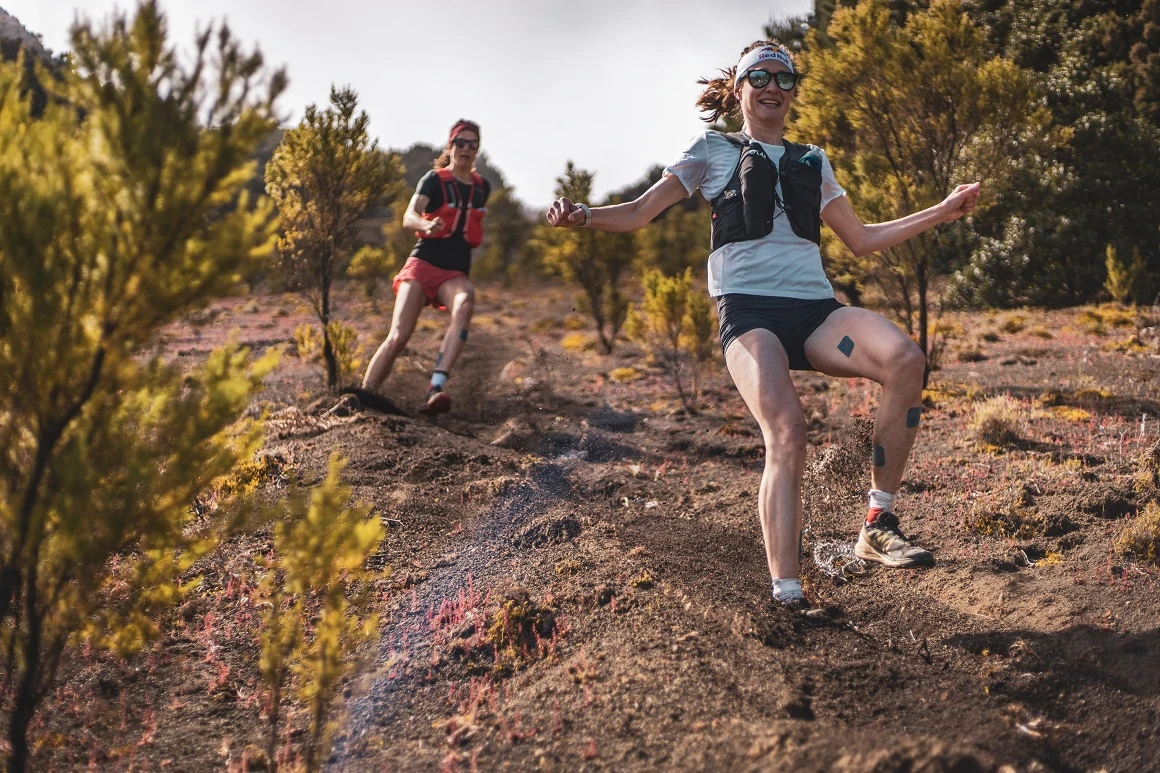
(13, 32)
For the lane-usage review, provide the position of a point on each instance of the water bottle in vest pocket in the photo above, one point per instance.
(801, 186)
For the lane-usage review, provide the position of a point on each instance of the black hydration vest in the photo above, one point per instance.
(746, 208)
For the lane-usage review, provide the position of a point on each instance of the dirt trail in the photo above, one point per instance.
(695, 671)
(577, 580)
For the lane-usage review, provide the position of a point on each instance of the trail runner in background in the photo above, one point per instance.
(776, 307)
(446, 213)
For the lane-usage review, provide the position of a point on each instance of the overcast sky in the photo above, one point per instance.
(609, 84)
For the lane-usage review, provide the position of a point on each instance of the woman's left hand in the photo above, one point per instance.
(962, 201)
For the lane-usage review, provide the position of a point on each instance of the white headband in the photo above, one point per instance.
(761, 55)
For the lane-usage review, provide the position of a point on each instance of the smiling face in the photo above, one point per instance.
(768, 106)
(461, 148)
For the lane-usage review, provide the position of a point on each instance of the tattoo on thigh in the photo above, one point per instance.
(463, 334)
(913, 416)
(846, 346)
(879, 456)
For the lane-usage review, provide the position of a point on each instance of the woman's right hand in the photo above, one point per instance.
(564, 214)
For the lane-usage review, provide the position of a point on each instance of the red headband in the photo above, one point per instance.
(462, 126)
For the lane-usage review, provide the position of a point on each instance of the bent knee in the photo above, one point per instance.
(464, 300)
(785, 440)
(908, 361)
(396, 340)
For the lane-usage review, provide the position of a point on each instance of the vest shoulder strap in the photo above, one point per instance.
(737, 139)
(793, 150)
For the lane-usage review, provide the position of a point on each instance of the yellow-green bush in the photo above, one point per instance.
(317, 596)
(123, 211)
(344, 344)
(675, 325)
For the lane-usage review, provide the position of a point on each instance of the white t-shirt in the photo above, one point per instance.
(781, 264)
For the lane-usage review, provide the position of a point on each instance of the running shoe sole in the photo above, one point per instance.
(869, 553)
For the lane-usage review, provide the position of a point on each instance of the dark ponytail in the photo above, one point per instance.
(719, 98)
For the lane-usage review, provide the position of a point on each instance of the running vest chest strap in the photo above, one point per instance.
(746, 208)
(459, 214)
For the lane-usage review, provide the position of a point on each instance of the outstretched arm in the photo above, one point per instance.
(621, 217)
(862, 239)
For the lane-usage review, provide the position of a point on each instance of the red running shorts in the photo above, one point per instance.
(431, 278)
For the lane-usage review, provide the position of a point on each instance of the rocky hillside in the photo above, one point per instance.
(14, 35)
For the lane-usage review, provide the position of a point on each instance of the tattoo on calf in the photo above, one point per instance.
(879, 456)
(913, 416)
(438, 359)
(846, 346)
(463, 334)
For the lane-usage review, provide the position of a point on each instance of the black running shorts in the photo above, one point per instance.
(792, 320)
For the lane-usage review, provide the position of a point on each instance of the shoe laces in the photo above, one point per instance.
(888, 521)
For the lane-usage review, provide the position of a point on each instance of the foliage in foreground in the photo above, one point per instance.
(316, 591)
(121, 213)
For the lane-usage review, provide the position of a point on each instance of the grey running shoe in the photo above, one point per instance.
(883, 542)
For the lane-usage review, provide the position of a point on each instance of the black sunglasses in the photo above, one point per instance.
(470, 144)
(785, 80)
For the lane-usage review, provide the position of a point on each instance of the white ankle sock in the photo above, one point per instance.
(787, 590)
(438, 379)
(882, 501)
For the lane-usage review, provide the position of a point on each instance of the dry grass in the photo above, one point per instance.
(1011, 522)
(1006, 516)
(998, 423)
(1148, 472)
(578, 342)
(1069, 413)
(1041, 332)
(1141, 537)
(1013, 323)
(1130, 345)
(576, 322)
(1097, 320)
(623, 375)
(941, 393)
(970, 353)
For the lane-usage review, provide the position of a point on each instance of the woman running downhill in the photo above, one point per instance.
(446, 213)
(776, 307)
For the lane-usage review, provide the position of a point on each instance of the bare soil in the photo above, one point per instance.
(616, 538)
